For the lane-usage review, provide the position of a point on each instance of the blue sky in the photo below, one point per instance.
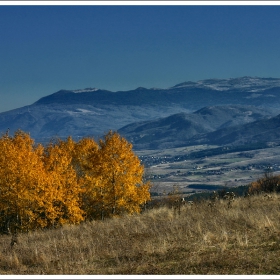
(119, 47)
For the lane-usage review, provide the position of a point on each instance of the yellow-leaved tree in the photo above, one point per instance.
(38, 186)
(22, 182)
(64, 192)
(65, 181)
(84, 163)
(114, 183)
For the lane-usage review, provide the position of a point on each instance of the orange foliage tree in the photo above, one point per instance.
(114, 184)
(64, 192)
(38, 187)
(268, 183)
(22, 182)
(84, 162)
(67, 181)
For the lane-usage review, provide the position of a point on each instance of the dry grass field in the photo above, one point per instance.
(243, 239)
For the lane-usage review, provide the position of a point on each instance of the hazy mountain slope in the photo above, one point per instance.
(45, 121)
(256, 132)
(177, 129)
(93, 112)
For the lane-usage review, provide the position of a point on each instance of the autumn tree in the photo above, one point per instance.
(267, 183)
(84, 161)
(115, 183)
(66, 181)
(83, 157)
(64, 192)
(22, 182)
(38, 186)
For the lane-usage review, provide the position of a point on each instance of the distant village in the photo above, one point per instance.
(212, 169)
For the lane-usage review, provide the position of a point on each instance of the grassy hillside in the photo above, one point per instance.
(242, 239)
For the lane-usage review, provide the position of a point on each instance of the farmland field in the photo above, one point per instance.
(229, 169)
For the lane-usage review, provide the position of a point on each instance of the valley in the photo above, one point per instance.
(175, 167)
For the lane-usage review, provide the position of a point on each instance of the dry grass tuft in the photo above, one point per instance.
(242, 239)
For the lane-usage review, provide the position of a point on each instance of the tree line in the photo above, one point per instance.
(67, 181)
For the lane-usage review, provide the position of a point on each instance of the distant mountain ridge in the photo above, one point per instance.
(92, 111)
(184, 129)
(260, 131)
(244, 89)
(249, 84)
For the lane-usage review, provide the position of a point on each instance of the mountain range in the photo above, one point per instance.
(209, 125)
(188, 110)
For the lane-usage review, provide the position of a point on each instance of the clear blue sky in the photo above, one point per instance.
(47, 48)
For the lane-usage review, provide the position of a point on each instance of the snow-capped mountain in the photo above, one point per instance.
(249, 84)
(92, 111)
